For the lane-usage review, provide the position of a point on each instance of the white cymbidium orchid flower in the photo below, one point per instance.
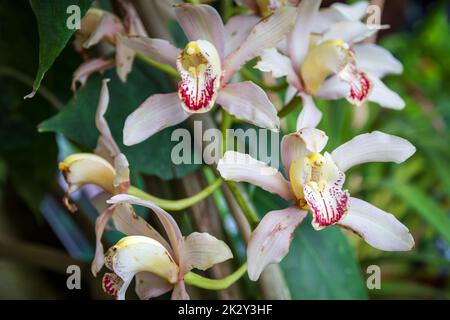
(108, 169)
(207, 63)
(315, 183)
(322, 58)
(159, 265)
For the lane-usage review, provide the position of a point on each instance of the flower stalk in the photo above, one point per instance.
(199, 281)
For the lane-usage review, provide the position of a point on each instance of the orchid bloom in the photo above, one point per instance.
(159, 265)
(108, 169)
(98, 25)
(324, 59)
(315, 182)
(213, 55)
(265, 8)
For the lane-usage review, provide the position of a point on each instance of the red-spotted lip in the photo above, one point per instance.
(111, 284)
(359, 93)
(198, 94)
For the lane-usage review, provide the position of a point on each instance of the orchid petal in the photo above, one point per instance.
(384, 96)
(333, 88)
(107, 28)
(153, 115)
(378, 228)
(179, 291)
(237, 29)
(298, 39)
(149, 285)
(241, 167)
(266, 34)
(376, 60)
(87, 168)
(299, 144)
(372, 147)
(202, 22)
(310, 115)
(132, 21)
(134, 254)
(124, 59)
(339, 12)
(158, 50)
(279, 65)
(100, 224)
(200, 70)
(351, 31)
(248, 102)
(169, 224)
(86, 69)
(202, 251)
(270, 241)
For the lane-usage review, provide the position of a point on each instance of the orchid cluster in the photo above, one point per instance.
(320, 52)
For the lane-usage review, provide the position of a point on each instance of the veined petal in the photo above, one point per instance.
(237, 29)
(384, 96)
(328, 202)
(372, 147)
(378, 228)
(132, 21)
(169, 224)
(100, 224)
(310, 115)
(351, 31)
(153, 115)
(87, 168)
(202, 251)
(200, 70)
(298, 39)
(241, 167)
(179, 291)
(300, 143)
(86, 69)
(376, 60)
(248, 102)
(266, 34)
(134, 254)
(279, 65)
(271, 239)
(339, 12)
(107, 28)
(149, 285)
(202, 22)
(159, 50)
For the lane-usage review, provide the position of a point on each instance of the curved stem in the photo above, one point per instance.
(289, 107)
(227, 121)
(248, 75)
(176, 205)
(249, 213)
(215, 284)
(160, 66)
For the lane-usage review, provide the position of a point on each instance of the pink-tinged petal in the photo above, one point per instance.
(360, 84)
(372, 147)
(376, 60)
(128, 222)
(298, 39)
(149, 285)
(241, 167)
(112, 284)
(202, 22)
(107, 28)
(179, 291)
(237, 29)
(279, 65)
(351, 31)
(100, 224)
(153, 115)
(124, 59)
(384, 96)
(339, 12)
(246, 101)
(86, 69)
(378, 228)
(159, 50)
(170, 226)
(300, 143)
(132, 21)
(310, 115)
(200, 70)
(266, 34)
(202, 251)
(328, 204)
(271, 239)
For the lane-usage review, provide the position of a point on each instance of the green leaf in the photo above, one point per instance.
(320, 264)
(51, 16)
(77, 121)
(425, 206)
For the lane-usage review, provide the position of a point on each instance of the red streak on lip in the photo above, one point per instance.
(360, 94)
(197, 99)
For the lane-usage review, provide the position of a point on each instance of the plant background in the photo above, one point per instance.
(39, 238)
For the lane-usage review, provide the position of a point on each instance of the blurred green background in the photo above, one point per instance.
(39, 238)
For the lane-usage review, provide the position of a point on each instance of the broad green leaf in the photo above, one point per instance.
(320, 264)
(77, 121)
(51, 16)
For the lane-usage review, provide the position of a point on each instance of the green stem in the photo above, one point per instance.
(160, 66)
(289, 107)
(249, 213)
(248, 75)
(227, 121)
(215, 284)
(176, 205)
